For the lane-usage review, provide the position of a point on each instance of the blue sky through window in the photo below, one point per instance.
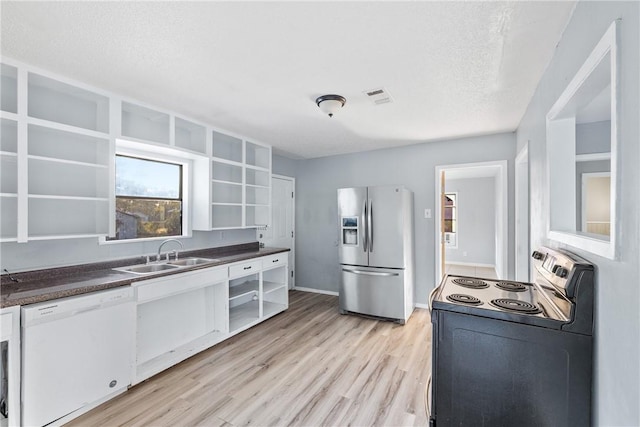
(147, 178)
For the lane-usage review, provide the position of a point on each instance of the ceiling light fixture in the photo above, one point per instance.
(329, 104)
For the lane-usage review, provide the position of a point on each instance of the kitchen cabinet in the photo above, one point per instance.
(10, 356)
(182, 314)
(238, 189)
(178, 316)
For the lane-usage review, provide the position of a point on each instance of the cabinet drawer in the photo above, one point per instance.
(245, 268)
(178, 283)
(275, 260)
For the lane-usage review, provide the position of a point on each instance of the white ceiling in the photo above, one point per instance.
(255, 68)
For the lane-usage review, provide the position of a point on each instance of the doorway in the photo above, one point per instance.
(522, 215)
(282, 230)
(496, 201)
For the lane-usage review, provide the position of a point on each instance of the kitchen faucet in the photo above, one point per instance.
(159, 256)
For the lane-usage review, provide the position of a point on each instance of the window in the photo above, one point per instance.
(148, 198)
(450, 218)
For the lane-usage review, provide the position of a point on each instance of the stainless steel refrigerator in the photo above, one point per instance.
(376, 251)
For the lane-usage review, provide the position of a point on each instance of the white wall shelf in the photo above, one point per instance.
(57, 154)
(59, 102)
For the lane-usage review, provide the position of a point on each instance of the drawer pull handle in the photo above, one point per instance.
(248, 268)
(275, 260)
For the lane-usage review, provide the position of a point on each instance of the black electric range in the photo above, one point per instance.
(508, 353)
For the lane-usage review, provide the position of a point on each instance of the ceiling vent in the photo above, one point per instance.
(379, 96)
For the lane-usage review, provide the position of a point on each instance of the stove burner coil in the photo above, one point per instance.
(515, 306)
(464, 299)
(471, 283)
(511, 286)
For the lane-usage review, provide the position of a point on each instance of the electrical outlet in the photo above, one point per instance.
(427, 213)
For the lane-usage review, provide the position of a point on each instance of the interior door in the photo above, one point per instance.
(386, 239)
(281, 232)
(352, 219)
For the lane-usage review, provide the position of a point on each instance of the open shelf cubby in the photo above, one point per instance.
(226, 216)
(257, 195)
(257, 177)
(144, 123)
(8, 88)
(8, 174)
(223, 192)
(257, 216)
(61, 145)
(9, 218)
(58, 102)
(190, 136)
(49, 217)
(226, 172)
(50, 178)
(226, 147)
(8, 136)
(243, 314)
(257, 155)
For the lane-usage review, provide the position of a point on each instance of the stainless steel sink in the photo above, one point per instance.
(185, 262)
(148, 268)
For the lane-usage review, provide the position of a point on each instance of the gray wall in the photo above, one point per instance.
(593, 137)
(56, 253)
(413, 166)
(617, 317)
(476, 221)
(283, 165)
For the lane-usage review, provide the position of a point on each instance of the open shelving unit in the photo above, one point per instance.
(275, 290)
(57, 159)
(240, 184)
(244, 301)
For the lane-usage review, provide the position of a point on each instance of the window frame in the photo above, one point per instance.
(158, 154)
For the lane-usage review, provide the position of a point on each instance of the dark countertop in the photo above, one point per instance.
(44, 285)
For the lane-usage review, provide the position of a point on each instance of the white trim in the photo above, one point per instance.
(315, 291)
(502, 230)
(420, 305)
(592, 157)
(557, 129)
(471, 264)
(292, 265)
(521, 161)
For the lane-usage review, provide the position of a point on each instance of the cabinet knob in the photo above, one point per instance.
(275, 260)
(248, 268)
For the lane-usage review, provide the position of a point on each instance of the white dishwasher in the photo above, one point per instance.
(75, 351)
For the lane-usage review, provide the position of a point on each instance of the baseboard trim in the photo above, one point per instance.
(420, 305)
(315, 291)
(471, 264)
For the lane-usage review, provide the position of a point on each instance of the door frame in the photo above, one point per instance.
(292, 267)
(502, 214)
(522, 232)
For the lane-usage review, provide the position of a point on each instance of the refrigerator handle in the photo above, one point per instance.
(363, 229)
(371, 273)
(370, 225)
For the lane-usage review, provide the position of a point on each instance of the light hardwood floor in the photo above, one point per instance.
(309, 366)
